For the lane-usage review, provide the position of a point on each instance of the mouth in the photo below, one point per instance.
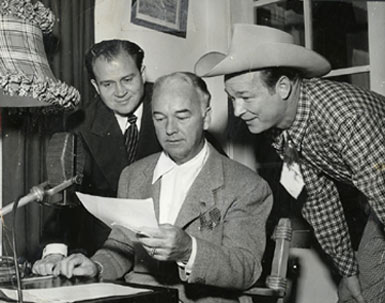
(174, 141)
(249, 120)
(123, 102)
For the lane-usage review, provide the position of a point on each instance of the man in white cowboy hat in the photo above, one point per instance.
(325, 131)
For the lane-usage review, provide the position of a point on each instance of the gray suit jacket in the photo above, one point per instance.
(225, 210)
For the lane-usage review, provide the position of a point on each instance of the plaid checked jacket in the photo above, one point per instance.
(339, 133)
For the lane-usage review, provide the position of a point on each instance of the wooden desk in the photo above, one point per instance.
(154, 295)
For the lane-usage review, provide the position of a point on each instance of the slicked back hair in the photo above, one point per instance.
(270, 76)
(109, 49)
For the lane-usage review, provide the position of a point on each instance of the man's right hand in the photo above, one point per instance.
(46, 265)
(76, 265)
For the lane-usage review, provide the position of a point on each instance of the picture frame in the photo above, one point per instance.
(168, 16)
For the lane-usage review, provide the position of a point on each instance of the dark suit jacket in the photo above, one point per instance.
(225, 210)
(103, 142)
(105, 157)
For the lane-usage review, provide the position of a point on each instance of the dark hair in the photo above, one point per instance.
(271, 75)
(109, 49)
(191, 78)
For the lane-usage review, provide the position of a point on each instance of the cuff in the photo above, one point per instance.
(189, 265)
(55, 248)
(100, 268)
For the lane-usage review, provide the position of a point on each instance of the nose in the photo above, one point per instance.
(238, 107)
(120, 90)
(171, 127)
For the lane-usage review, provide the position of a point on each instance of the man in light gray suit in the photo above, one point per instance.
(211, 210)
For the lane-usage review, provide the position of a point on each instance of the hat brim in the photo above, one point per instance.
(265, 55)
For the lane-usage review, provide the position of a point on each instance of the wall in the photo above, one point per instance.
(207, 29)
(376, 23)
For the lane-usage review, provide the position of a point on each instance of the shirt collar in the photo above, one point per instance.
(296, 131)
(166, 164)
(122, 121)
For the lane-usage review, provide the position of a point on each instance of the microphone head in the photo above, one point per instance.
(64, 159)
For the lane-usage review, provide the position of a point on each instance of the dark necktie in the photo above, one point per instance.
(131, 137)
(290, 154)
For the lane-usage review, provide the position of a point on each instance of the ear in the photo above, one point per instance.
(207, 118)
(95, 85)
(283, 87)
(143, 73)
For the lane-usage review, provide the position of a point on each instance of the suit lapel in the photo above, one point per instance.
(146, 184)
(105, 139)
(105, 142)
(148, 143)
(201, 196)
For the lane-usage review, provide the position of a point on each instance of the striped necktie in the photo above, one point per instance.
(131, 137)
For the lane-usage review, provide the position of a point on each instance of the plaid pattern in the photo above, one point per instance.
(22, 49)
(25, 72)
(339, 134)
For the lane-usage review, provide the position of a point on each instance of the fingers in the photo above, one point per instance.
(46, 266)
(168, 243)
(348, 288)
(76, 265)
(359, 298)
(150, 232)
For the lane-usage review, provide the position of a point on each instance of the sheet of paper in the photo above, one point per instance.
(130, 213)
(74, 293)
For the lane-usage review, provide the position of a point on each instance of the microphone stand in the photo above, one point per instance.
(37, 193)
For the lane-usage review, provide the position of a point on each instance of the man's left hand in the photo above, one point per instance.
(168, 243)
(349, 287)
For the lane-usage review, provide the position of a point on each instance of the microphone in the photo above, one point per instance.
(64, 165)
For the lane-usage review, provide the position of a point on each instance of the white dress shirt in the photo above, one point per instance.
(176, 181)
(124, 124)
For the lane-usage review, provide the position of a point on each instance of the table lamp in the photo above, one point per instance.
(26, 80)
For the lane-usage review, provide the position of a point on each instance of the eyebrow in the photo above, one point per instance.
(181, 111)
(238, 93)
(110, 80)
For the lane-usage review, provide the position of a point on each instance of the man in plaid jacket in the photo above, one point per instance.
(325, 132)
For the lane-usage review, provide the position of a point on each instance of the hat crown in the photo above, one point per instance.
(255, 47)
(244, 34)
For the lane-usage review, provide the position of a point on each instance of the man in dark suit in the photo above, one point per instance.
(211, 210)
(111, 138)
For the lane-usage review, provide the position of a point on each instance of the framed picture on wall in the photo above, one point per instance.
(168, 16)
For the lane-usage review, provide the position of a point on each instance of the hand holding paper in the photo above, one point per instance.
(129, 213)
(166, 243)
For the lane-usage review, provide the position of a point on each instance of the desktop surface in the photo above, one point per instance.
(153, 295)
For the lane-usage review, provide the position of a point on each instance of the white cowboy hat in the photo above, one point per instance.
(255, 47)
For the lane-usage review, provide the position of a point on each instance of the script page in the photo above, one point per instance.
(129, 213)
(67, 294)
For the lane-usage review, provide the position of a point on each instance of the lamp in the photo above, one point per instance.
(26, 80)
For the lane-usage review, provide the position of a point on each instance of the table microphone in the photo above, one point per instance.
(64, 164)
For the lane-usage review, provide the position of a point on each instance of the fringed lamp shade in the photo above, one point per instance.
(26, 80)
